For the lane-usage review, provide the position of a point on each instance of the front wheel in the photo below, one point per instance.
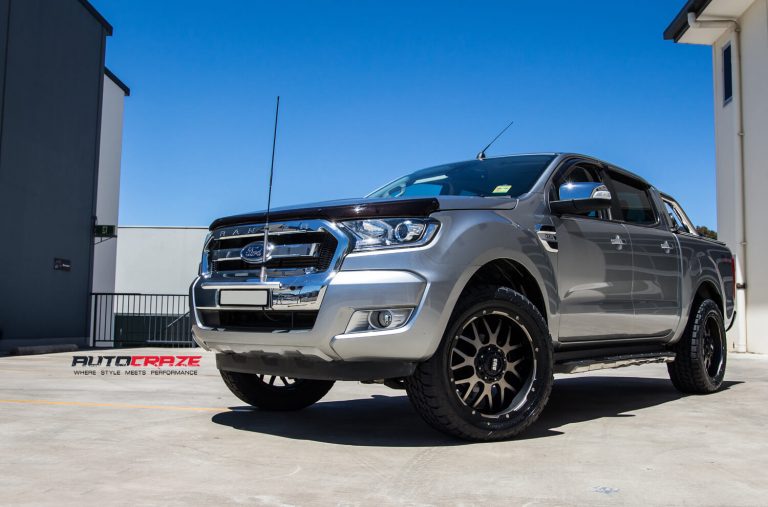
(270, 392)
(492, 374)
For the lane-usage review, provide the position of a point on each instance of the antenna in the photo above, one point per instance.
(481, 155)
(263, 274)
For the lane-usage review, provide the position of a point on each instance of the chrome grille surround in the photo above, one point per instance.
(294, 288)
(294, 248)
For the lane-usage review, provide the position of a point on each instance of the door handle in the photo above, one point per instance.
(666, 247)
(618, 242)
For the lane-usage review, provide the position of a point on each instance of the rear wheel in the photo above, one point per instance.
(270, 392)
(699, 365)
(492, 374)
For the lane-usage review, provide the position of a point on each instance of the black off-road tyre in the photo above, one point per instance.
(269, 392)
(512, 347)
(699, 365)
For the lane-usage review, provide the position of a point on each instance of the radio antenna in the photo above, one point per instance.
(263, 274)
(481, 155)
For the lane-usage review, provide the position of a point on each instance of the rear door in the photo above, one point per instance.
(594, 268)
(657, 278)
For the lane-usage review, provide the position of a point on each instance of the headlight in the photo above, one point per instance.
(376, 234)
(205, 261)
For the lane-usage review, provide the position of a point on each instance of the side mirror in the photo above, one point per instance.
(581, 197)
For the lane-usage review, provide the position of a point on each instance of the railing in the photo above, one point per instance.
(140, 320)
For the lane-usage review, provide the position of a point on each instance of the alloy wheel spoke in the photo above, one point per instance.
(472, 382)
(493, 336)
(506, 385)
(485, 393)
(469, 340)
(475, 331)
(512, 368)
(465, 359)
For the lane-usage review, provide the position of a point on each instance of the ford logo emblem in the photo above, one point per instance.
(253, 253)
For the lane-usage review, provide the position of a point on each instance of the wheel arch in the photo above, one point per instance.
(707, 289)
(510, 273)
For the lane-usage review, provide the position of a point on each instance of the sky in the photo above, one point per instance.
(372, 90)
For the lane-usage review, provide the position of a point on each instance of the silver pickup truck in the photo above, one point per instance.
(469, 285)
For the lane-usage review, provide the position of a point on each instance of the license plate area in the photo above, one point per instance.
(258, 298)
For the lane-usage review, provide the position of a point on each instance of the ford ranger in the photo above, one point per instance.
(469, 285)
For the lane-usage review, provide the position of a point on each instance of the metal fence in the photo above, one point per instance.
(140, 320)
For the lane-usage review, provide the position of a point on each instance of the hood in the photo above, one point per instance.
(350, 209)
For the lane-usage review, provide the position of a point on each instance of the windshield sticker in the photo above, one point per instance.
(502, 189)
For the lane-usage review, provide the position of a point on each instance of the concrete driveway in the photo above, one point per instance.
(616, 437)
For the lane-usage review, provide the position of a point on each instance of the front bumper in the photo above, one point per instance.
(343, 294)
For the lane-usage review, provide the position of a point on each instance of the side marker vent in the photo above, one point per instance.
(548, 237)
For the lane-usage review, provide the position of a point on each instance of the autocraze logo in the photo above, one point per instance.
(136, 365)
(136, 361)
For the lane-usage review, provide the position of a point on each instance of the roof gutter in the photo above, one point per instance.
(741, 241)
(695, 22)
(679, 25)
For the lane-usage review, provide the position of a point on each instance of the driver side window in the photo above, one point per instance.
(578, 173)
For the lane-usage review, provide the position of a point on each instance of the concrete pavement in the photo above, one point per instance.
(614, 437)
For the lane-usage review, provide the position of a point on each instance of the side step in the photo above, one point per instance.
(617, 361)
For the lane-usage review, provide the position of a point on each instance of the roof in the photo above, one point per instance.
(111, 75)
(679, 25)
(715, 15)
(96, 14)
(562, 156)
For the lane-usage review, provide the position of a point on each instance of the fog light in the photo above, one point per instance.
(381, 319)
(371, 320)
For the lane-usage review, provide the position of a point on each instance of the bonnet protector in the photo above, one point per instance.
(415, 208)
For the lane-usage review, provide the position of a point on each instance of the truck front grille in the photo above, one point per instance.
(311, 251)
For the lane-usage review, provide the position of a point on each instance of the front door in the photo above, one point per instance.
(594, 278)
(594, 269)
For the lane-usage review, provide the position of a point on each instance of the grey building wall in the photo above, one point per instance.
(4, 17)
(51, 70)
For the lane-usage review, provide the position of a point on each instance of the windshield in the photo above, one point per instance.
(504, 176)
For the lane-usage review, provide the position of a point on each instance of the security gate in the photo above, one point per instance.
(140, 320)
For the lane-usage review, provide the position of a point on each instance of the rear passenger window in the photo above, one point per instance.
(675, 217)
(634, 202)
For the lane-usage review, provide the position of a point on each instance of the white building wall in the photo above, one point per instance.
(754, 95)
(108, 192)
(754, 41)
(726, 156)
(158, 260)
